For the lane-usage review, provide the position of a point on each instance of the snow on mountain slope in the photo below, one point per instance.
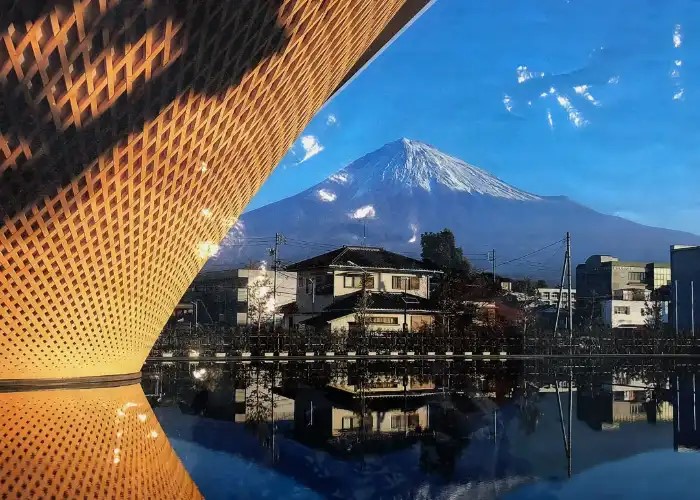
(407, 164)
(406, 188)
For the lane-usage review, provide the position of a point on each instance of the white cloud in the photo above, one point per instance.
(326, 195)
(414, 235)
(550, 120)
(677, 36)
(614, 80)
(365, 212)
(583, 91)
(678, 62)
(311, 147)
(575, 115)
(331, 120)
(678, 95)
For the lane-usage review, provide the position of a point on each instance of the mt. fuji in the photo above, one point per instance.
(407, 187)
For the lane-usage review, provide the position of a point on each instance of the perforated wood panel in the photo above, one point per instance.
(133, 133)
(90, 443)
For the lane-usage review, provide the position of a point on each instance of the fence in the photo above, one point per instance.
(209, 340)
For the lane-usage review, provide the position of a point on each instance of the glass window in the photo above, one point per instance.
(637, 277)
(348, 423)
(405, 282)
(621, 310)
(379, 320)
(355, 281)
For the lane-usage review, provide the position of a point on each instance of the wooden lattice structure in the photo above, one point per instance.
(87, 443)
(132, 134)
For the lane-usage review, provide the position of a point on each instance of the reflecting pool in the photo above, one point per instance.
(612, 428)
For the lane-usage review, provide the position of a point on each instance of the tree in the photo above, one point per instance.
(653, 315)
(441, 250)
(525, 286)
(541, 284)
(362, 307)
(261, 303)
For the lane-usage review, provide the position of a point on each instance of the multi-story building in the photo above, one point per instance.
(550, 296)
(329, 286)
(601, 275)
(223, 296)
(685, 266)
(617, 291)
(627, 309)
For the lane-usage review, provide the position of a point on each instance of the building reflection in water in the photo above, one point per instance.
(397, 426)
(617, 399)
(686, 431)
(87, 443)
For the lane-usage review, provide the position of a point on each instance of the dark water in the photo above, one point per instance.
(433, 429)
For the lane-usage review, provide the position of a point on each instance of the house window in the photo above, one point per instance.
(381, 320)
(545, 295)
(405, 282)
(397, 422)
(637, 277)
(621, 310)
(355, 281)
(413, 421)
(301, 280)
(348, 423)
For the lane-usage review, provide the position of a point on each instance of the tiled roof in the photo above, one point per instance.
(379, 302)
(383, 301)
(362, 257)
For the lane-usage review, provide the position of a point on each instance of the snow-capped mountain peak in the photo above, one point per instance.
(407, 164)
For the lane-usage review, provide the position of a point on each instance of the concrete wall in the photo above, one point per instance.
(685, 269)
(412, 319)
(286, 289)
(635, 316)
(620, 276)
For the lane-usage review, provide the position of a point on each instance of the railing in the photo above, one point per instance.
(210, 340)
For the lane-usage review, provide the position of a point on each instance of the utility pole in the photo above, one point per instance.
(492, 258)
(568, 282)
(279, 239)
(692, 308)
(675, 304)
(561, 294)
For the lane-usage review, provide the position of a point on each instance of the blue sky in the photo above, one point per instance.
(596, 100)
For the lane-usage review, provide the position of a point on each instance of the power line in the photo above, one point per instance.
(531, 253)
